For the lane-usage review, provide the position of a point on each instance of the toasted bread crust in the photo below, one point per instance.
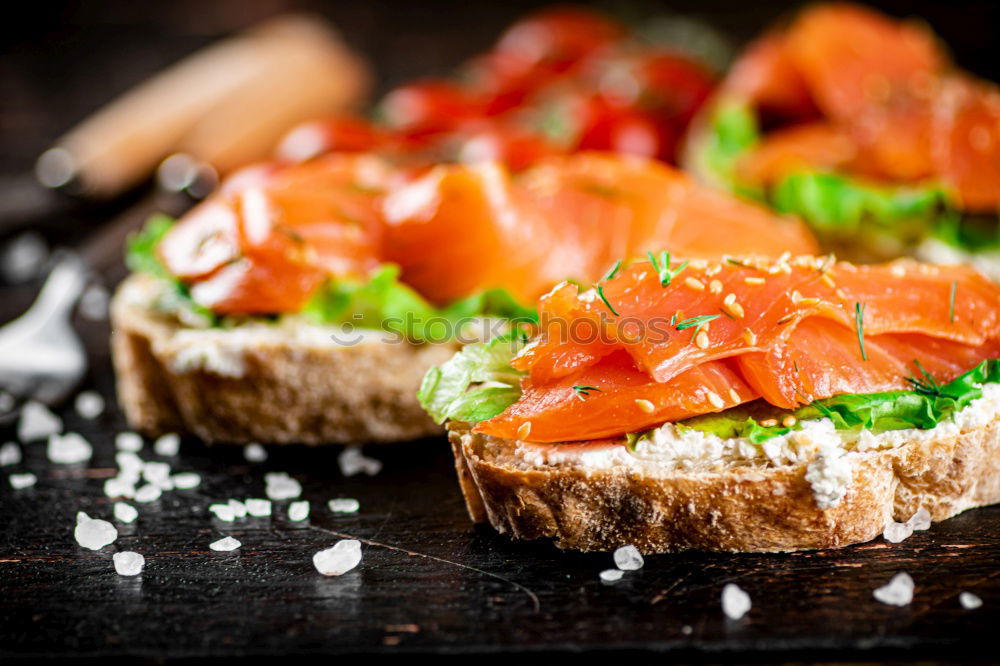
(742, 509)
(286, 390)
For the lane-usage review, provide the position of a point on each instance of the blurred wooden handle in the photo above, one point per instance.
(300, 62)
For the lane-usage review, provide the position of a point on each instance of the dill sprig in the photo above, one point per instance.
(613, 272)
(600, 293)
(927, 386)
(662, 268)
(696, 322)
(951, 302)
(583, 391)
(859, 316)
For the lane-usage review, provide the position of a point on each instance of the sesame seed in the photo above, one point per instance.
(769, 423)
(755, 280)
(715, 286)
(897, 270)
(713, 269)
(785, 256)
(734, 396)
(809, 302)
(789, 421)
(787, 318)
(842, 294)
(749, 337)
(729, 299)
(796, 297)
(695, 284)
(524, 430)
(646, 406)
(701, 340)
(733, 309)
(715, 399)
(828, 281)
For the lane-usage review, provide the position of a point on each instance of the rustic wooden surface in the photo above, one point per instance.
(429, 581)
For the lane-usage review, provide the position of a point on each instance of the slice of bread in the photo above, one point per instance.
(603, 501)
(277, 383)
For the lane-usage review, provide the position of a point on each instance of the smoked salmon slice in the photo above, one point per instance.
(791, 331)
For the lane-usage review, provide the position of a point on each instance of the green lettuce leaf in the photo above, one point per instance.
(383, 302)
(923, 408)
(476, 384)
(732, 131)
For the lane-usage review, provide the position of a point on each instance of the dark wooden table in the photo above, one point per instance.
(429, 582)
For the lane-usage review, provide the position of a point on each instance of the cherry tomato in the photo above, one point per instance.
(674, 85)
(338, 134)
(517, 148)
(558, 39)
(428, 107)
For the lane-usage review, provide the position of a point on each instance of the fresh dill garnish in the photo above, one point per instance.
(859, 316)
(795, 364)
(951, 302)
(927, 386)
(600, 292)
(613, 272)
(696, 322)
(735, 262)
(727, 314)
(662, 268)
(583, 391)
(673, 319)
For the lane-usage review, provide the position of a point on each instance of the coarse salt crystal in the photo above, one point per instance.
(255, 453)
(22, 481)
(895, 532)
(119, 486)
(898, 592)
(128, 461)
(344, 505)
(89, 404)
(225, 544)
(628, 558)
(37, 422)
(279, 486)
(24, 257)
(167, 445)
(7, 402)
(94, 303)
(68, 449)
(969, 601)
(298, 511)
(128, 441)
(239, 508)
(147, 493)
(93, 533)
(338, 560)
(352, 461)
(186, 480)
(735, 602)
(128, 563)
(10, 454)
(223, 512)
(155, 471)
(258, 508)
(611, 575)
(125, 513)
(921, 520)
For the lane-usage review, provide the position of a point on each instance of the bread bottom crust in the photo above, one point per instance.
(741, 509)
(286, 391)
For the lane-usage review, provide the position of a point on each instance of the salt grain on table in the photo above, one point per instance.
(896, 532)
(255, 453)
(22, 481)
(23, 258)
(898, 592)
(258, 508)
(279, 486)
(338, 560)
(37, 422)
(94, 303)
(93, 533)
(167, 445)
(89, 404)
(222, 512)
(628, 558)
(298, 511)
(7, 402)
(128, 563)
(352, 461)
(920, 521)
(68, 449)
(147, 493)
(735, 602)
(128, 441)
(239, 508)
(969, 601)
(10, 454)
(344, 505)
(225, 544)
(128, 461)
(611, 575)
(119, 486)
(125, 513)
(186, 480)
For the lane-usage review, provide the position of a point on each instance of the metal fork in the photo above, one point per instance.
(41, 356)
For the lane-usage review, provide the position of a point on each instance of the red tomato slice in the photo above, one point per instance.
(559, 39)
